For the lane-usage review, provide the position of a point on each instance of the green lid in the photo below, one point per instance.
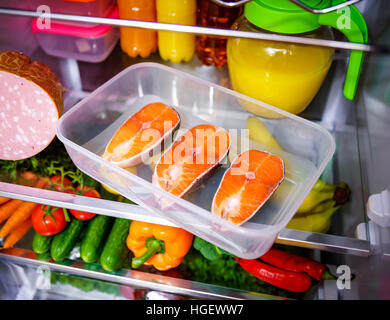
(283, 16)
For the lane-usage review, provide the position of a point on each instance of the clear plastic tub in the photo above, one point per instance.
(87, 128)
(15, 34)
(93, 8)
(75, 42)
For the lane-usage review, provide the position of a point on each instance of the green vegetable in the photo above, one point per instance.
(61, 277)
(51, 161)
(53, 277)
(82, 233)
(95, 235)
(84, 284)
(208, 250)
(44, 256)
(41, 244)
(64, 242)
(65, 262)
(92, 266)
(115, 250)
(107, 287)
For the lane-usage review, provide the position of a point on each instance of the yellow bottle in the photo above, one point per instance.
(176, 46)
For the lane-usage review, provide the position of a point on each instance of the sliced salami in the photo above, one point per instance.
(30, 105)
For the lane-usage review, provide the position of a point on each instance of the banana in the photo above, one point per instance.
(322, 186)
(323, 191)
(129, 169)
(318, 220)
(322, 207)
(260, 133)
(313, 199)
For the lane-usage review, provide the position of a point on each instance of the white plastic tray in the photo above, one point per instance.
(87, 127)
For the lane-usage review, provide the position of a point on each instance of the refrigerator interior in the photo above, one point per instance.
(362, 135)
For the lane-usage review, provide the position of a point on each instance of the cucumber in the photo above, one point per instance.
(84, 284)
(115, 250)
(95, 235)
(41, 244)
(53, 277)
(44, 256)
(62, 277)
(92, 266)
(107, 287)
(64, 242)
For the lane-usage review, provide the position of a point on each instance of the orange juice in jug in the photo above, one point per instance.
(288, 75)
(284, 75)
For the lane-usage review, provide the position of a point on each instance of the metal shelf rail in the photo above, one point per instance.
(199, 30)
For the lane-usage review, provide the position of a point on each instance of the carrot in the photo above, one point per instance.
(17, 234)
(3, 200)
(7, 209)
(22, 213)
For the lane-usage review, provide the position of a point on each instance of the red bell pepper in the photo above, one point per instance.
(288, 280)
(292, 262)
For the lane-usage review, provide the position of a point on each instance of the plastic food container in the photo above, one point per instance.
(15, 33)
(90, 44)
(94, 8)
(86, 129)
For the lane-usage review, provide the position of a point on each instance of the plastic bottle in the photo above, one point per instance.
(212, 50)
(176, 46)
(136, 41)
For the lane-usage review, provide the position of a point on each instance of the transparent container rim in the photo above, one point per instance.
(180, 201)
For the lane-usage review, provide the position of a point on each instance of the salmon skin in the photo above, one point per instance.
(144, 131)
(191, 157)
(249, 182)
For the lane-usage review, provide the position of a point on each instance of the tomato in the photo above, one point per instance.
(65, 185)
(47, 220)
(28, 178)
(87, 192)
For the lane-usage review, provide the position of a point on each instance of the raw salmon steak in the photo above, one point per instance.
(251, 179)
(147, 129)
(190, 157)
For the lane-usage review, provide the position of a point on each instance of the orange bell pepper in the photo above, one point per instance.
(160, 246)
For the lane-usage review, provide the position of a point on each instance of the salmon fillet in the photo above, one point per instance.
(249, 182)
(190, 157)
(140, 134)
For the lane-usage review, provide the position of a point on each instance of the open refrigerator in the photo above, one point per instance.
(360, 129)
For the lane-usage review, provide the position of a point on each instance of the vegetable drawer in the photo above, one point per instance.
(87, 128)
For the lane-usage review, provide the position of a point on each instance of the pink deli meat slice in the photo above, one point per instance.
(30, 105)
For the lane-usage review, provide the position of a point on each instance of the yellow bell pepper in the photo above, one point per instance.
(160, 246)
